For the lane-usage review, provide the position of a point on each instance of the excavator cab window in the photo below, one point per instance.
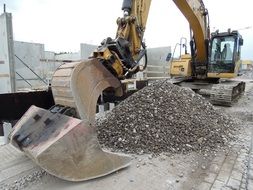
(223, 53)
(223, 49)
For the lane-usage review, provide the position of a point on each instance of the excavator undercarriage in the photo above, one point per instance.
(222, 92)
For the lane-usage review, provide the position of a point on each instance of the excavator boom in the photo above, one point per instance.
(197, 16)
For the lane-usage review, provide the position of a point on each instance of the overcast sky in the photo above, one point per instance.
(62, 25)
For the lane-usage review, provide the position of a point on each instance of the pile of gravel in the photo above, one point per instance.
(164, 117)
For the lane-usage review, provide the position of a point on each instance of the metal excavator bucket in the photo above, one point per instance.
(65, 146)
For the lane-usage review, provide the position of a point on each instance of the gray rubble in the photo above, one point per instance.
(24, 181)
(164, 117)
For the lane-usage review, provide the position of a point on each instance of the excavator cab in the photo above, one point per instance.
(225, 53)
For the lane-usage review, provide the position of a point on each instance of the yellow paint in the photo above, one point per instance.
(181, 67)
(106, 54)
(117, 66)
(193, 12)
(221, 75)
(247, 62)
(237, 67)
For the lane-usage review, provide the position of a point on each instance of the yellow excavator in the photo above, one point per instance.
(63, 139)
(215, 58)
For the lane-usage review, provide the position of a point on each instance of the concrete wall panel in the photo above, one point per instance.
(157, 64)
(29, 54)
(7, 70)
(86, 50)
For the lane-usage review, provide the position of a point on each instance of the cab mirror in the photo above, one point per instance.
(168, 57)
(240, 41)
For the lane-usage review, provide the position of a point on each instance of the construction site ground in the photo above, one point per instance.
(230, 168)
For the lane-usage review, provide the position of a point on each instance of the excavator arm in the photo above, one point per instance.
(122, 55)
(63, 140)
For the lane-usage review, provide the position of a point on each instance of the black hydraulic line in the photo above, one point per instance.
(146, 61)
(145, 55)
(127, 5)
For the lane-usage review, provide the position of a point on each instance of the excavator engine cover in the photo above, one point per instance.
(65, 146)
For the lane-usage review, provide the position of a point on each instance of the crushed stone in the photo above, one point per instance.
(164, 117)
(24, 181)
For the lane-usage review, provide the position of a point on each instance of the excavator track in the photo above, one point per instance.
(227, 92)
(66, 146)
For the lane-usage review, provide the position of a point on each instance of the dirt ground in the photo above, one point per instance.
(149, 172)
